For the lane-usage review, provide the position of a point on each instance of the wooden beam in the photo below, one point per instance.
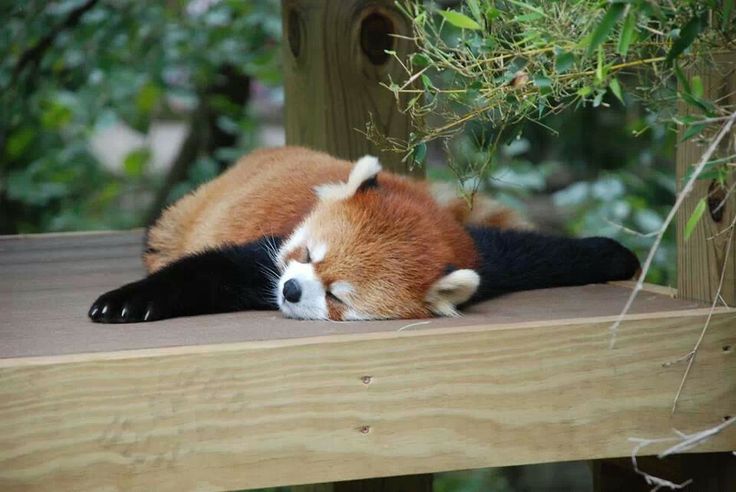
(702, 257)
(269, 413)
(334, 61)
(246, 400)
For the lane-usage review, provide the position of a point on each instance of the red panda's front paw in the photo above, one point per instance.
(131, 303)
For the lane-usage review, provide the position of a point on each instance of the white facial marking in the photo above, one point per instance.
(318, 252)
(312, 303)
(297, 237)
(341, 289)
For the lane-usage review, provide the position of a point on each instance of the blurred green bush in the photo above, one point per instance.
(71, 68)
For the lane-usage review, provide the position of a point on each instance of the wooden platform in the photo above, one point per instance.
(250, 400)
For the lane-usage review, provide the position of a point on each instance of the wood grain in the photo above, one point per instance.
(261, 414)
(250, 400)
(701, 258)
(331, 81)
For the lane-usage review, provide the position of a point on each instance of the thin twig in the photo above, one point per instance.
(670, 217)
(691, 440)
(683, 442)
(691, 355)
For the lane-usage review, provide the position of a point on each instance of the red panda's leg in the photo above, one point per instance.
(233, 278)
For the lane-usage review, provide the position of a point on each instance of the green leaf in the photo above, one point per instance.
(727, 8)
(688, 33)
(531, 17)
(525, 5)
(616, 89)
(694, 218)
(682, 80)
(147, 98)
(427, 83)
(135, 162)
(420, 153)
(419, 60)
(599, 66)
(696, 83)
(627, 33)
(605, 26)
(691, 131)
(585, 91)
(18, 142)
(564, 62)
(459, 20)
(542, 82)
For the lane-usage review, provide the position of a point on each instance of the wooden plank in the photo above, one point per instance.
(47, 284)
(701, 258)
(258, 414)
(334, 61)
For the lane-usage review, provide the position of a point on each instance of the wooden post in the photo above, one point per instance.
(334, 60)
(702, 257)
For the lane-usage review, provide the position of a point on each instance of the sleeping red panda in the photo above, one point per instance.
(297, 230)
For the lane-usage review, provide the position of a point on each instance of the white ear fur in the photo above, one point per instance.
(364, 169)
(452, 289)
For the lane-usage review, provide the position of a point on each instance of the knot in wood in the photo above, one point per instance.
(375, 37)
(294, 32)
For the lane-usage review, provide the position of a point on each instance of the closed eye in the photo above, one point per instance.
(332, 296)
(308, 257)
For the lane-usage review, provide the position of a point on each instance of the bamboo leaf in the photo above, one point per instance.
(697, 87)
(627, 33)
(727, 8)
(606, 25)
(459, 20)
(691, 131)
(616, 89)
(688, 33)
(694, 218)
(420, 153)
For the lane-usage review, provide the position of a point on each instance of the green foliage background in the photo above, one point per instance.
(604, 165)
(118, 60)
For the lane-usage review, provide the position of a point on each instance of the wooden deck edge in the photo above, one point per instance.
(260, 415)
(72, 234)
(402, 332)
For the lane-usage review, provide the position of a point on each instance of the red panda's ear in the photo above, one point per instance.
(363, 176)
(454, 288)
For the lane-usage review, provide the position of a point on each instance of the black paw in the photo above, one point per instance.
(620, 262)
(132, 303)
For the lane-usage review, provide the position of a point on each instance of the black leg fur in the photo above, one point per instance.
(524, 260)
(234, 278)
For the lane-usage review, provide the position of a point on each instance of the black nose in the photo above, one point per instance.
(292, 290)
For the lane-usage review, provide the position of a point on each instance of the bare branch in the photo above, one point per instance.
(670, 217)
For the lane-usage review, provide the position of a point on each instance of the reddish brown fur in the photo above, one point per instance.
(268, 192)
(397, 230)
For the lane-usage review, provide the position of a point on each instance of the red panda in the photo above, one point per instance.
(320, 238)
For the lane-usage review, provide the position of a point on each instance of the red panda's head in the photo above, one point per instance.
(375, 247)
